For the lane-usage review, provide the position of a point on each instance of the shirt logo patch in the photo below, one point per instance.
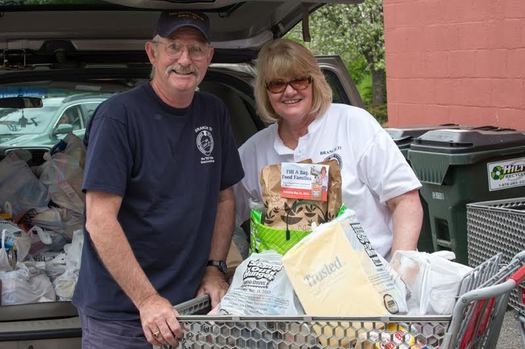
(205, 143)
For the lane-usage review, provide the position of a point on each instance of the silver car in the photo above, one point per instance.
(39, 129)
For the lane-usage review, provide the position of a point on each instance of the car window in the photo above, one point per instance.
(338, 93)
(88, 109)
(241, 112)
(72, 116)
(27, 121)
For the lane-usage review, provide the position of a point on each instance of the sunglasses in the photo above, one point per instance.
(278, 86)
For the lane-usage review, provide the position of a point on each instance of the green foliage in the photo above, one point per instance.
(355, 33)
(351, 31)
(358, 69)
(322, 44)
(365, 89)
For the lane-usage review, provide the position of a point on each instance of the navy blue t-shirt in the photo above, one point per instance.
(168, 165)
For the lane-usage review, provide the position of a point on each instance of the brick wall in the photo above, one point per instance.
(460, 61)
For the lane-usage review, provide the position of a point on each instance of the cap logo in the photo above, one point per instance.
(170, 21)
(189, 15)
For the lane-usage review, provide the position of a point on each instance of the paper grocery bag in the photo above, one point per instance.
(298, 214)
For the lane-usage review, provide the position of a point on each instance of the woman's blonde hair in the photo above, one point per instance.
(287, 59)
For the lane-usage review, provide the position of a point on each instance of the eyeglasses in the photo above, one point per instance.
(278, 86)
(174, 49)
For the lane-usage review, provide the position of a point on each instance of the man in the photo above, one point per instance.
(161, 160)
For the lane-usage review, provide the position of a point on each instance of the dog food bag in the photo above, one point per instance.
(260, 286)
(335, 271)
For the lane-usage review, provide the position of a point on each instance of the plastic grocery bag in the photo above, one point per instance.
(260, 287)
(74, 250)
(60, 220)
(264, 238)
(72, 221)
(20, 187)
(65, 283)
(431, 280)
(19, 238)
(445, 277)
(23, 245)
(46, 218)
(54, 266)
(4, 259)
(63, 177)
(26, 284)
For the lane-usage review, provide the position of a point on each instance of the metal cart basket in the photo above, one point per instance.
(496, 226)
(475, 322)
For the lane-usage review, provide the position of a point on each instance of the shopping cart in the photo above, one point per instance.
(478, 313)
(475, 322)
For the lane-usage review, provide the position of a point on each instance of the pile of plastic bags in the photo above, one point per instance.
(41, 217)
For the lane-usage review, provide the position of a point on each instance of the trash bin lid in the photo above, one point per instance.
(458, 141)
(403, 136)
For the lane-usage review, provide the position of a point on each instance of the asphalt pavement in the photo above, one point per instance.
(510, 337)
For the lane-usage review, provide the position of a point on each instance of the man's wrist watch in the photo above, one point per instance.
(221, 265)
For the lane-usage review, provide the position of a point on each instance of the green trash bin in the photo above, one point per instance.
(403, 137)
(461, 166)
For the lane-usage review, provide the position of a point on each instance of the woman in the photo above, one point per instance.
(377, 182)
(324, 179)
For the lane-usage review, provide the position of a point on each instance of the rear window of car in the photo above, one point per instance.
(27, 121)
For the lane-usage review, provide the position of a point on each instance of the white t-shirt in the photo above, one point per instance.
(373, 170)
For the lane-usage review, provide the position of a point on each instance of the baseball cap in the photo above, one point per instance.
(171, 21)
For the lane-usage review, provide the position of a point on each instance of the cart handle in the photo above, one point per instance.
(194, 305)
(519, 275)
(480, 294)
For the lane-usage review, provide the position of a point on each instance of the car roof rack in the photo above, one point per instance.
(86, 95)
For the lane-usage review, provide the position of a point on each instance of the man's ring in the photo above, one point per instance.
(155, 334)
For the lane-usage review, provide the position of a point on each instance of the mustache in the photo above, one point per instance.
(182, 69)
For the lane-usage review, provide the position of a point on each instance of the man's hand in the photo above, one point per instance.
(159, 321)
(158, 318)
(213, 284)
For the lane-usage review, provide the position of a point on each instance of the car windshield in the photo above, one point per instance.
(29, 120)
